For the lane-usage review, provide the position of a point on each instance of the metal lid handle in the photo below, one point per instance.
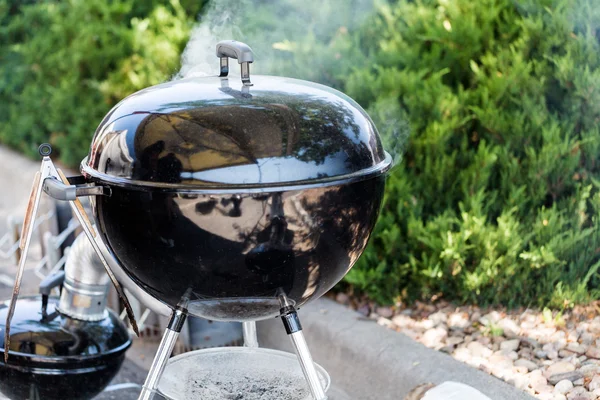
(240, 51)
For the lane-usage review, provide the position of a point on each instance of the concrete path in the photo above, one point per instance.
(16, 177)
(370, 362)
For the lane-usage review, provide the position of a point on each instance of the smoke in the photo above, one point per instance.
(219, 22)
(280, 33)
(314, 40)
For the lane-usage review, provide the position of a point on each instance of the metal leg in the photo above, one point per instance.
(249, 331)
(34, 394)
(28, 225)
(162, 355)
(294, 330)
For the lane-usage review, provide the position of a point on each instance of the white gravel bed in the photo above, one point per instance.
(550, 355)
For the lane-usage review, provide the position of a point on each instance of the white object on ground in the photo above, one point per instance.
(454, 391)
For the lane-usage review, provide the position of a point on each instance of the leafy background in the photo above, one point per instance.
(497, 198)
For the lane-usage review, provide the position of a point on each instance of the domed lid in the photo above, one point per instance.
(53, 338)
(216, 132)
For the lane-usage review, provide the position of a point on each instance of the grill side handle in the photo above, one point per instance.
(61, 191)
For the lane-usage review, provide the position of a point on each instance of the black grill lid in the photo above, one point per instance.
(218, 131)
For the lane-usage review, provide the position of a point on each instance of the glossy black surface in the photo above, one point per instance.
(213, 132)
(57, 357)
(228, 256)
(20, 383)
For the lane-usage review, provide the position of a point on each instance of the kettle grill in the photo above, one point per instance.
(226, 200)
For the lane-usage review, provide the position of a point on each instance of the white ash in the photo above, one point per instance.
(235, 375)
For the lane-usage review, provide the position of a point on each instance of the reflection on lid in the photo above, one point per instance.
(194, 131)
(271, 170)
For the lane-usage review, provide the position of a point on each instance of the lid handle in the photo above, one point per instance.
(238, 50)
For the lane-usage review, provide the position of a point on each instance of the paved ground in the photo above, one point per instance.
(371, 363)
(15, 171)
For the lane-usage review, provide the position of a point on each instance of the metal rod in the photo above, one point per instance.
(294, 330)
(224, 67)
(13, 227)
(86, 190)
(245, 72)
(249, 332)
(162, 355)
(121, 386)
(30, 214)
(61, 189)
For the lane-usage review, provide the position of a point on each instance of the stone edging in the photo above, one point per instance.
(368, 361)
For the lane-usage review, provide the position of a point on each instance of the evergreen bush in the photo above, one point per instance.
(65, 63)
(497, 199)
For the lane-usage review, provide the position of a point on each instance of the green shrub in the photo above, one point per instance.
(66, 63)
(497, 198)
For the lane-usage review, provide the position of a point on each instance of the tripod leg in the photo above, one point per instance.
(162, 355)
(294, 330)
(249, 331)
(28, 226)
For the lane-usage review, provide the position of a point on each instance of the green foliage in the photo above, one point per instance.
(497, 198)
(493, 330)
(64, 64)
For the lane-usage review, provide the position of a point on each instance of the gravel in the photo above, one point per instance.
(572, 376)
(551, 358)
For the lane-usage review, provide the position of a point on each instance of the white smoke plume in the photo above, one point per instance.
(274, 30)
(306, 39)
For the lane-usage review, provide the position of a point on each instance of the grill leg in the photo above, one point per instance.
(294, 330)
(162, 355)
(249, 331)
